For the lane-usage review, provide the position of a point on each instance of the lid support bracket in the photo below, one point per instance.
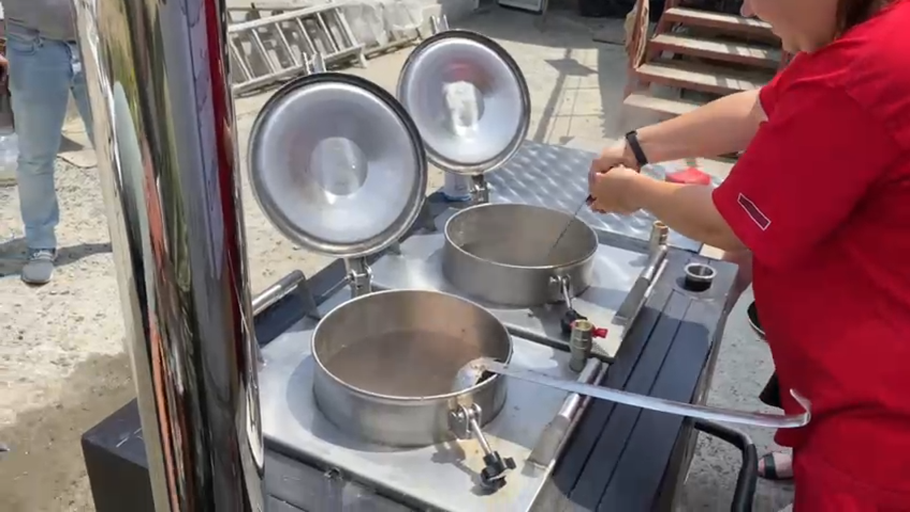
(480, 190)
(360, 277)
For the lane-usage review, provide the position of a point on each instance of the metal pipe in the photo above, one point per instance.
(279, 290)
(660, 232)
(587, 376)
(555, 432)
(165, 137)
(579, 411)
(638, 295)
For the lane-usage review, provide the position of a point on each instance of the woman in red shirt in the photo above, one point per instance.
(821, 201)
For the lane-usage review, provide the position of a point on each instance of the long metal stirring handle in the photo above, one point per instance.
(565, 229)
(659, 404)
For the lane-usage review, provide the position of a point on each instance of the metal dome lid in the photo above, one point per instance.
(337, 165)
(469, 100)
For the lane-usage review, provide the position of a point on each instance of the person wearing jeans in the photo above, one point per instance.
(44, 67)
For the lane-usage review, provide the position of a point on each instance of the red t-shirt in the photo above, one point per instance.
(822, 198)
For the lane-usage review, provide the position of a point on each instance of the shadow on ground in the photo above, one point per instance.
(45, 461)
(68, 144)
(560, 28)
(586, 69)
(12, 254)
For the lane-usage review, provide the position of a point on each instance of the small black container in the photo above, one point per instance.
(698, 277)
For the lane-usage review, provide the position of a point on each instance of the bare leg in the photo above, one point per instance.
(776, 466)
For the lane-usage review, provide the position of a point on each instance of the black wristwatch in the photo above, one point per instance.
(635, 146)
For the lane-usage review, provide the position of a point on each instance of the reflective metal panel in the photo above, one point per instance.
(469, 100)
(164, 134)
(337, 165)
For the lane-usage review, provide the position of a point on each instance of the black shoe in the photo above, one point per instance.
(752, 315)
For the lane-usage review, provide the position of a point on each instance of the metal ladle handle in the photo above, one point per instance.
(654, 404)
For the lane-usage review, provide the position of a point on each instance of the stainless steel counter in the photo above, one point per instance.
(619, 458)
(442, 476)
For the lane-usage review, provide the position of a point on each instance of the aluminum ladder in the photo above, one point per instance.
(274, 48)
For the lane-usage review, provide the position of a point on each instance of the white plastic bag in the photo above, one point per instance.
(9, 155)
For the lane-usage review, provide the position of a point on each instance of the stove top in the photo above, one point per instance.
(418, 265)
(443, 476)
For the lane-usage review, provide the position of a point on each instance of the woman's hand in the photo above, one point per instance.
(686, 209)
(617, 154)
(614, 190)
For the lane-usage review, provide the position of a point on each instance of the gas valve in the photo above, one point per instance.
(569, 319)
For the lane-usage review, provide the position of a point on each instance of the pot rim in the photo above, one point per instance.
(403, 400)
(559, 266)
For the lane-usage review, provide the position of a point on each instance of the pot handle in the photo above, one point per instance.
(744, 494)
(564, 284)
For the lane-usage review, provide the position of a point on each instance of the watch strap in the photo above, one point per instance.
(635, 146)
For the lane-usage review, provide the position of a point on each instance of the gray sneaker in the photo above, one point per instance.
(40, 266)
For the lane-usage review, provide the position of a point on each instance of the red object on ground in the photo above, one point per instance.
(689, 176)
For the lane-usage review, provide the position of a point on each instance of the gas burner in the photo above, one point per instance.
(472, 472)
(418, 264)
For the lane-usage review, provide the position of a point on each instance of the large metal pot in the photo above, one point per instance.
(386, 362)
(505, 254)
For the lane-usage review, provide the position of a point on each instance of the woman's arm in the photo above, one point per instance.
(723, 126)
(686, 209)
(726, 125)
(779, 201)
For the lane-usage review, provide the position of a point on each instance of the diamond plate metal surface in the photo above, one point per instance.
(557, 177)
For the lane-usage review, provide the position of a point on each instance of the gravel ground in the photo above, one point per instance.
(62, 362)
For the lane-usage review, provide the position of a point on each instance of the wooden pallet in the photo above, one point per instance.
(696, 50)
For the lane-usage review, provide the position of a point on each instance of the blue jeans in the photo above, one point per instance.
(42, 72)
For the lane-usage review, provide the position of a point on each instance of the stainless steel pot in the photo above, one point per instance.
(386, 364)
(505, 254)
